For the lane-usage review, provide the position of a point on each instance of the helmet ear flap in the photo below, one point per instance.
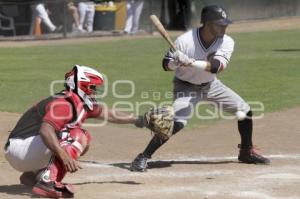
(71, 79)
(70, 83)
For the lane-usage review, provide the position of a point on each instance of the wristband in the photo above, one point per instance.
(200, 64)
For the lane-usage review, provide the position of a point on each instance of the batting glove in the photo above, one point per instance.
(182, 58)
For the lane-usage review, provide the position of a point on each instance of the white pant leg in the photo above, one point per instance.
(226, 99)
(42, 13)
(183, 108)
(82, 8)
(186, 98)
(90, 17)
(30, 154)
(129, 17)
(137, 11)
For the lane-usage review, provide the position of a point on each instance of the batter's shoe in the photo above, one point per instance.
(139, 163)
(28, 179)
(249, 156)
(53, 190)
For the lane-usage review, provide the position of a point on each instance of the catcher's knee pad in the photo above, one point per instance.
(54, 172)
(75, 141)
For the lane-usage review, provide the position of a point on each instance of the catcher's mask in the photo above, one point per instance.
(215, 14)
(83, 81)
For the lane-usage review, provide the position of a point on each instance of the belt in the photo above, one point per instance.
(191, 84)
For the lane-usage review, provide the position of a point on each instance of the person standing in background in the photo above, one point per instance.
(134, 10)
(73, 10)
(86, 15)
(180, 14)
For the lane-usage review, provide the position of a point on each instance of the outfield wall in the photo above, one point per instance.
(239, 10)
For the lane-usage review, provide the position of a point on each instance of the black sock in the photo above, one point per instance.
(177, 127)
(153, 145)
(156, 142)
(245, 129)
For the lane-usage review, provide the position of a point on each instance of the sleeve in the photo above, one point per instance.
(225, 51)
(58, 113)
(96, 111)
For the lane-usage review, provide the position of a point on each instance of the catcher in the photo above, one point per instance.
(202, 53)
(48, 138)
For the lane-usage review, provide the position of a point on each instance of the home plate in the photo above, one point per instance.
(280, 176)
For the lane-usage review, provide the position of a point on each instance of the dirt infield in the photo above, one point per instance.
(192, 165)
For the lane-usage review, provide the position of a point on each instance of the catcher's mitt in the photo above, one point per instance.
(160, 121)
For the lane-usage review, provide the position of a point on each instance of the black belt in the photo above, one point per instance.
(191, 84)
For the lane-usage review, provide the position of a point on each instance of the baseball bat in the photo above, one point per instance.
(162, 31)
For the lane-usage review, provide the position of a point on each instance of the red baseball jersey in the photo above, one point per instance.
(59, 111)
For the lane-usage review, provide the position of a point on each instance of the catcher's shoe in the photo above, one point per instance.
(249, 156)
(139, 163)
(28, 178)
(46, 189)
(53, 189)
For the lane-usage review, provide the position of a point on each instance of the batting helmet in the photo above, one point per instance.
(83, 81)
(215, 14)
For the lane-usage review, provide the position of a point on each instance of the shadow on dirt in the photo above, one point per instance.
(22, 190)
(163, 163)
(110, 182)
(169, 163)
(16, 189)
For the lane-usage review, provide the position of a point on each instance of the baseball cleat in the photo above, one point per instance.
(53, 190)
(139, 163)
(28, 179)
(249, 156)
(46, 189)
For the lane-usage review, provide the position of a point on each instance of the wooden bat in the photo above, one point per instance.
(162, 31)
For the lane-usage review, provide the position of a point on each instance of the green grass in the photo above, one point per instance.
(257, 71)
(265, 67)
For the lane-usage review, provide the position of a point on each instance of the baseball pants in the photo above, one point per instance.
(134, 10)
(30, 154)
(187, 96)
(86, 15)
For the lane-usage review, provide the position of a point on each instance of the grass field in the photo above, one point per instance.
(264, 67)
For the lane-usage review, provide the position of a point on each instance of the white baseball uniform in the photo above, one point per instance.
(134, 10)
(86, 15)
(39, 10)
(192, 84)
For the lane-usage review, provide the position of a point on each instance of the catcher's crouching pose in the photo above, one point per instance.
(201, 54)
(48, 138)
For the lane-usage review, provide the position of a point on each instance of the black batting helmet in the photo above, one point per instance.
(215, 14)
